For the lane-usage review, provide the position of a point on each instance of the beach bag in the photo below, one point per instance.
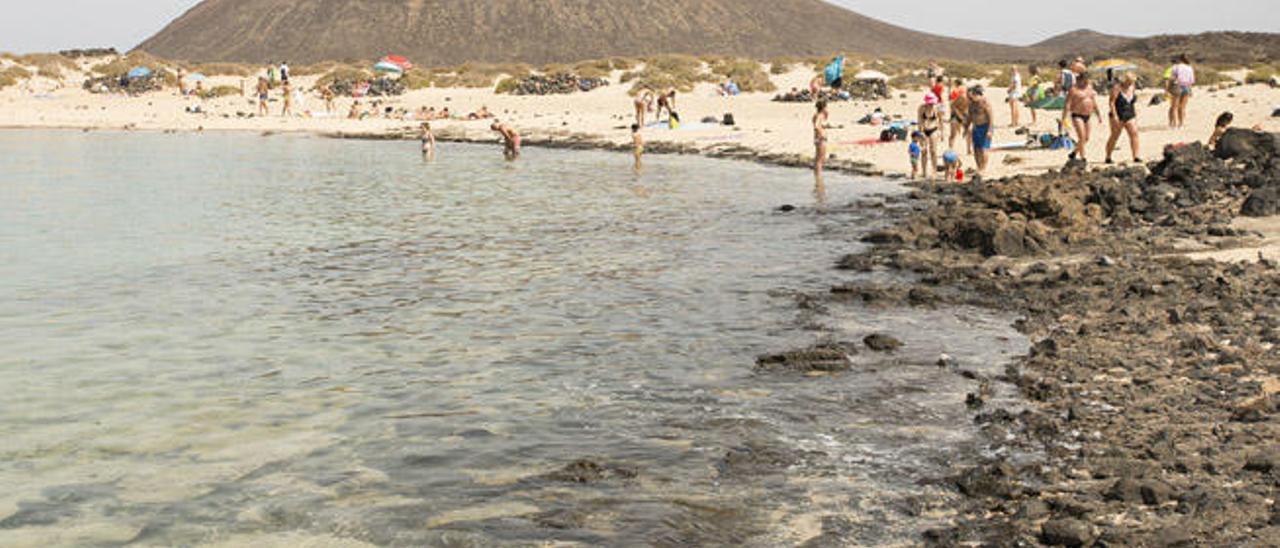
(675, 120)
(1062, 143)
(728, 119)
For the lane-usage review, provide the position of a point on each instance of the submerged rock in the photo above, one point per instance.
(590, 471)
(827, 357)
(882, 343)
(1066, 532)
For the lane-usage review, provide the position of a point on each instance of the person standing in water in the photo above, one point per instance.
(428, 143)
(980, 119)
(820, 136)
(1082, 103)
(510, 139)
(1016, 93)
(931, 128)
(1124, 112)
(1183, 79)
(637, 144)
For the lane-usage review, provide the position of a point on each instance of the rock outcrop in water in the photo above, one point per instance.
(1155, 379)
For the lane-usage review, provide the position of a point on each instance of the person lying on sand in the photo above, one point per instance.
(510, 139)
(482, 114)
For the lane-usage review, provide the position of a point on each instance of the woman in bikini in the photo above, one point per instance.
(644, 102)
(1124, 114)
(1082, 103)
(931, 126)
(820, 136)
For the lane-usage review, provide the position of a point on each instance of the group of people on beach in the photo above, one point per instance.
(968, 115)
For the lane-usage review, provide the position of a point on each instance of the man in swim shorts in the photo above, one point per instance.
(264, 90)
(1082, 105)
(980, 117)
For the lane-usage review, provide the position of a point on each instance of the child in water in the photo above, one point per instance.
(914, 150)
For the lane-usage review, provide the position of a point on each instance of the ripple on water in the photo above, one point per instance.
(231, 339)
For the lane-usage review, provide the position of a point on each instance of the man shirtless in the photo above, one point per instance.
(1082, 105)
(959, 116)
(264, 90)
(666, 101)
(980, 126)
(820, 136)
(510, 140)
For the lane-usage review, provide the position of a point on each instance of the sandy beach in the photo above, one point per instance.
(602, 116)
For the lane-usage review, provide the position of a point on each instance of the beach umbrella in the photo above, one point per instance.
(138, 72)
(398, 61)
(391, 68)
(1113, 65)
(871, 75)
(197, 77)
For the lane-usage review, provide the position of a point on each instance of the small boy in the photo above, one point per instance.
(1220, 128)
(952, 166)
(637, 143)
(914, 150)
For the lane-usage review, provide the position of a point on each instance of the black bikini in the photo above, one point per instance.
(1125, 109)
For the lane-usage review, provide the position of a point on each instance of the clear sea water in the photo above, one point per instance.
(232, 339)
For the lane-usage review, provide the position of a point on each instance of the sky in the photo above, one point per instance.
(50, 25)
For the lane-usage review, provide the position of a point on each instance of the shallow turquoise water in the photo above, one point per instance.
(242, 339)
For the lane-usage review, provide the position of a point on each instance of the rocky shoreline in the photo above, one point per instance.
(1155, 379)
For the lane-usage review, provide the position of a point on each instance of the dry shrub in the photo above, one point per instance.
(12, 75)
(122, 65)
(910, 80)
(602, 68)
(416, 78)
(507, 85)
(49, 65)
(344, 73)
(1001, 81)
(1209, 76)
(316, 69)
(1260, 74)
(221, 91)
(748, 74)
(224, 69)
(781, 65)
(964, 71)
(554, 68)
(623, 63)
(681, 72)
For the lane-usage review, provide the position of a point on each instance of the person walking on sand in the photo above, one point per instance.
(1184, 78)
(637, 144)
(980, 118)
(510, 139)
(959, 116)
(1082, 103)
(284, 72)
(931, 124)
(1124, 112)
(1034, 92)
(428, 142)
(264, 91)
(1066, 78)
(820, 136)
(1016, 92)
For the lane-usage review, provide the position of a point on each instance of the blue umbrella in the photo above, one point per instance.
(138, 72)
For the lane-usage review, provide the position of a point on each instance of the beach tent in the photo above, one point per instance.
(868, 75)
(388, 67)
(835, 71)
(138, 72)
(398, 61)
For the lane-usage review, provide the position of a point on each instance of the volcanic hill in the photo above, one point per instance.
(448, 32)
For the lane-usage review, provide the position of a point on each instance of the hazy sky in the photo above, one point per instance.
(48, 25)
